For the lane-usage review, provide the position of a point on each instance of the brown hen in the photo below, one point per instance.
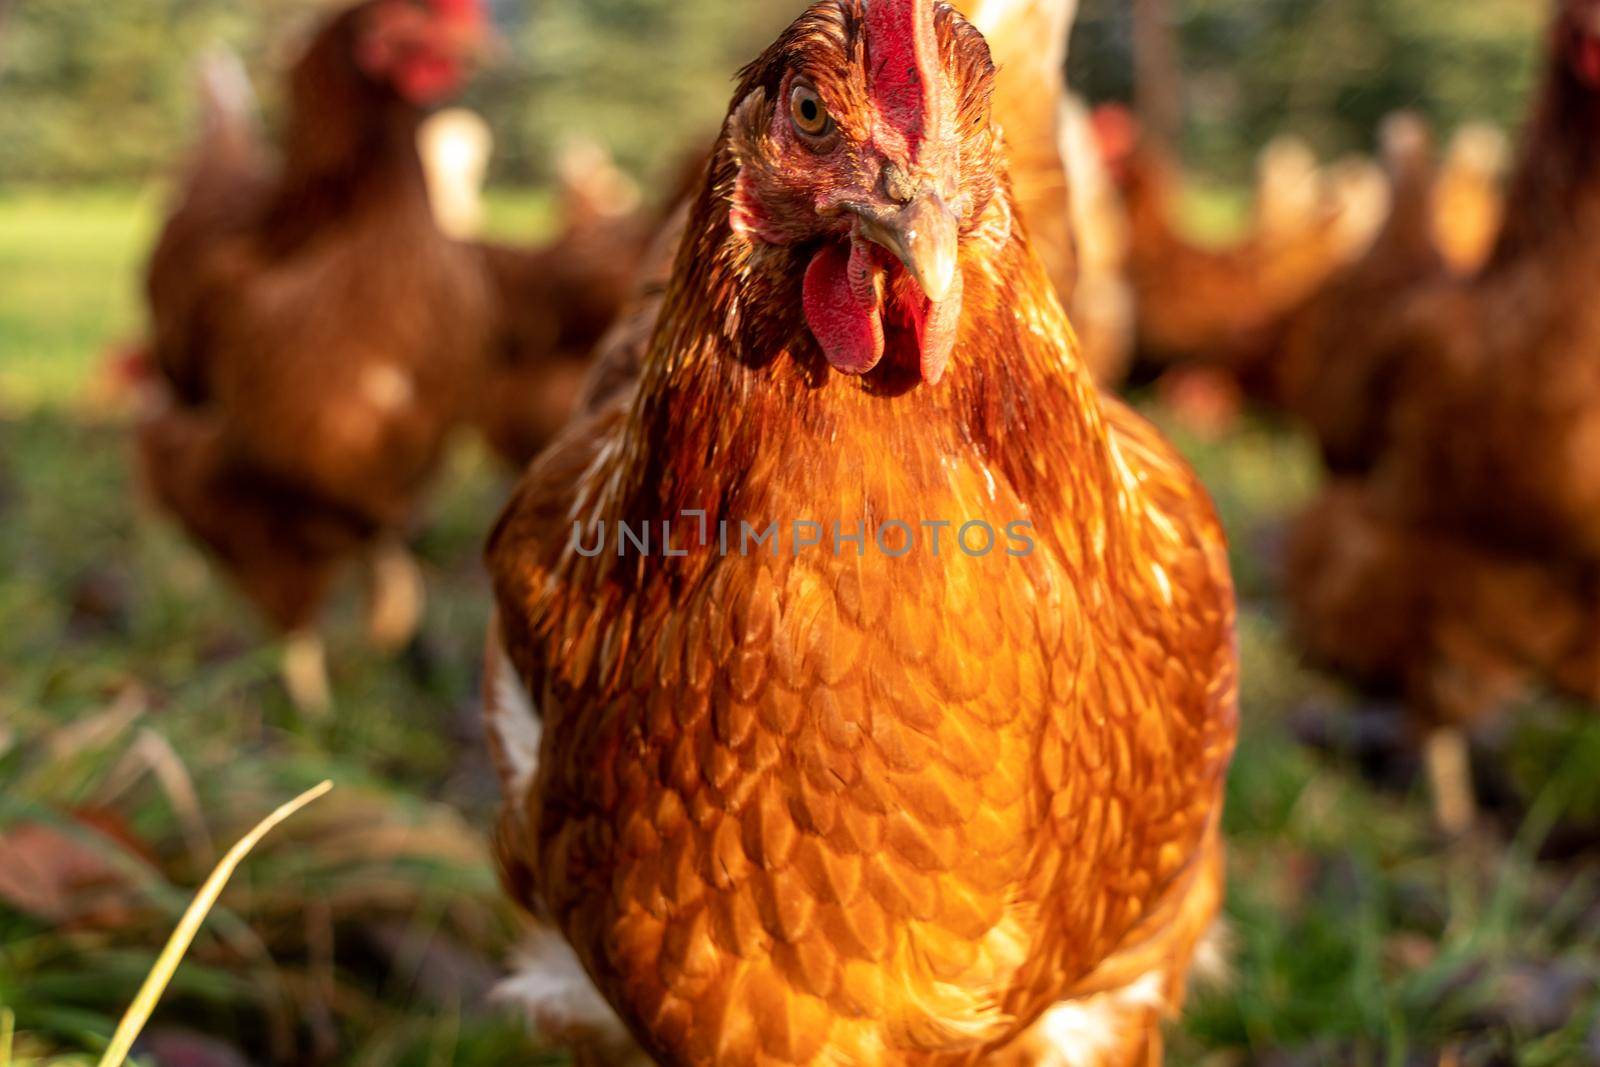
(823, 801)
(1509, 354)
(1224, 307)
(1482, 510)
(1334, 370)
(314, 331)
(555, 302)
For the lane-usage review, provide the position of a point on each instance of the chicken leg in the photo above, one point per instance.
(396, 597)
(1449, 767)
(305, 674)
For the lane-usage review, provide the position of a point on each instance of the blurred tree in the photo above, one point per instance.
(92, 90)
(1329, 70)
(651, 80)
(104, 91)
(87, 87)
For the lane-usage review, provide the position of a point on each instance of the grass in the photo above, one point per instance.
(67, 264)
(149, 996)
(141, 724)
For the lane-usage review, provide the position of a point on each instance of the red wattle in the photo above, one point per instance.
(426, 79)
(1589, 61)
(465, 10)
(936, 334)
(847, 325)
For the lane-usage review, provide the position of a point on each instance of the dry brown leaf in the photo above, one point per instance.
(50, 875)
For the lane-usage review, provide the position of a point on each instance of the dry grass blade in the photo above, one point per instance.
(8, 1029)
(153, 753)
(100, 729)
(178, 945)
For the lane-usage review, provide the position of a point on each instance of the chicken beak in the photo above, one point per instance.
(924, 235)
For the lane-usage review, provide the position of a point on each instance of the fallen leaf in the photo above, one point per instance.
(180, 1048)
(55, 877)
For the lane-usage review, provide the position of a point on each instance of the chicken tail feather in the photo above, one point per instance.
(1028, 40)
(514, 727)
(227, 98)
(228, 152)
(560, 1000)
(1031, 31)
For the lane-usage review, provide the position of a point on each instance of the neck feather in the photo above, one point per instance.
(348, 142)
(1555, 193)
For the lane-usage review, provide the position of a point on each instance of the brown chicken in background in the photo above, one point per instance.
(1102, 305)
(803, 805)
(314, 332)
(1289, 193)
(1031, 38)
(1334, 367)
(1332, 370)
(554, 303)
(1223, 307)
(1480, 523)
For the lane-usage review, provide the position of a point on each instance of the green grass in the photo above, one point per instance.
(142, 728)
(67, 286)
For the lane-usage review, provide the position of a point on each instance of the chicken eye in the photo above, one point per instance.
(808, 113)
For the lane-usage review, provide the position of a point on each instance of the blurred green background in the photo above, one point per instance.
(142, 726)
(99, 90)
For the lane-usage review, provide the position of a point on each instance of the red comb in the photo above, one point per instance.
(459, 9)
(1116, 131)
(903, 60)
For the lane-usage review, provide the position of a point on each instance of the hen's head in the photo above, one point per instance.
(864, 163)
(422, 49)
(1578, 38)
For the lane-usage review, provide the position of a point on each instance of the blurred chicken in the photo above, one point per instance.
(1358, 191)
(1223, 307)
(456, 145)
(808, 806)
(1481, 519)
(1336, 366)
(1288, 190)
(1497, 408)
(554, 302)
(314, 332)
(1469, 198)
(1333, 370)
(1456, 627)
